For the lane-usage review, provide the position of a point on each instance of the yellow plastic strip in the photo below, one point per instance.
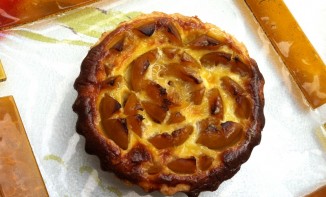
(19, 173)
(296, 51)
(3, 76)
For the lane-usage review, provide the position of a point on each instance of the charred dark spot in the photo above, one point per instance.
(215, 103)
(145, 66)
(166, 103)
(236, 59)
(119, 45)
(215, 58)
(204, 41)
(211, 128)
(195, 79)
(230, 127)
(139, 117)
(123, 122)
(147, 29)
(162, 90)
(139, 154)
(113, 81)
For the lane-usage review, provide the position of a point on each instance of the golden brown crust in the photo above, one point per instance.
(170, 103)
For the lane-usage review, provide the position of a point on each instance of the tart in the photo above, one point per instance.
(170, 103)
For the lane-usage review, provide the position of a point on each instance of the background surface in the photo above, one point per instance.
(43, 59)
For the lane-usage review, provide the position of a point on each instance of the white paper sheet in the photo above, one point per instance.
(43, 59)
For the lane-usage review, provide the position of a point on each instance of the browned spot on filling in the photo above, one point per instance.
(108, 107)
(243, 107)
(155, 91)
(204, 162)
(135, 123)
(117, 131)
(197, 94)
(139, 68)
(112, 82)
(173, 34)
(154, 169)
(170, 52)
(176, 117)
(177, 138)
(218, 137)
(209, 123)
(185, 57)
(204, 41)
(215, 58)
(147, 29)
(215, 103)
(118, 46)
(183, 166)
(156, 112)
(183, 71)
(132, 105)
(240, 68)
(139, 154)
(232, 87)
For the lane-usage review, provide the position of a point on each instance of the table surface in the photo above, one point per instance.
(43, 59)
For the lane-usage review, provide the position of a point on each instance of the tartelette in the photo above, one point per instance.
(170, 103)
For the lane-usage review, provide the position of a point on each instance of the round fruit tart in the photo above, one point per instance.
(170, 103)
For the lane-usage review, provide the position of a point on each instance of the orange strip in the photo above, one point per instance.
(19, 173)
(320, 192)
(17, 12)
(296, 51)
